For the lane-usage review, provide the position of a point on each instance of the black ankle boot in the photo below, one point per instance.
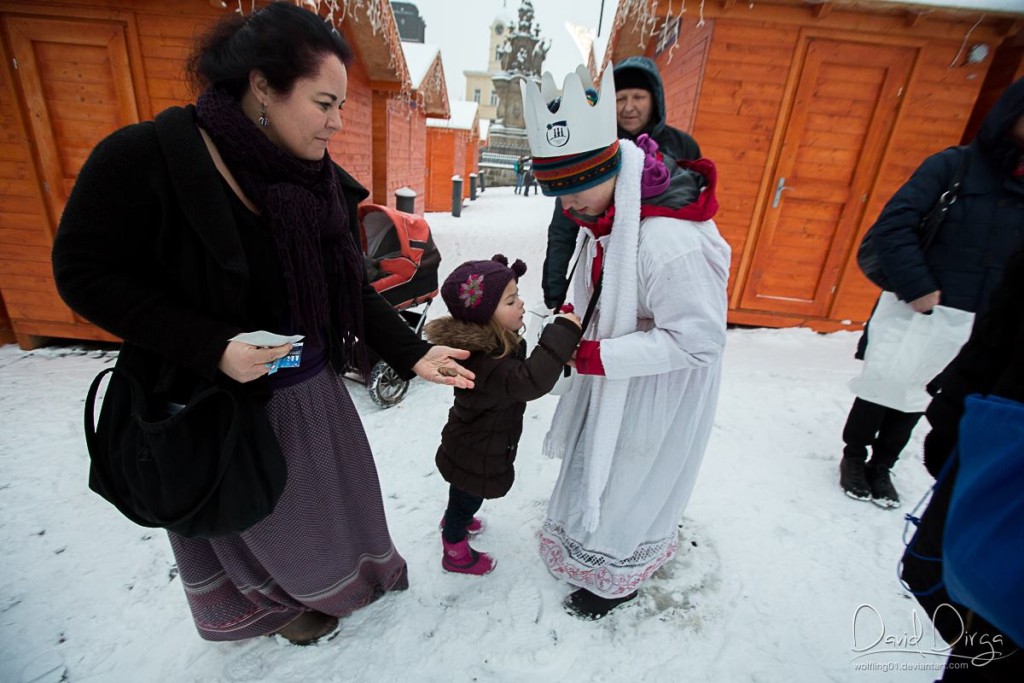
(883, 493)
(585, 605)
(853, 478)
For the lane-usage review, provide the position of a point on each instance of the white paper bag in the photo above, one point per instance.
(906, 350)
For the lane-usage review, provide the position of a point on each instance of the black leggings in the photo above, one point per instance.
(885, 430)
(461, 508)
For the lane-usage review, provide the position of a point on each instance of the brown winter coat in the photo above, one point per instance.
(478, 445)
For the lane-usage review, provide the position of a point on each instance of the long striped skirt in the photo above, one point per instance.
(326, 546)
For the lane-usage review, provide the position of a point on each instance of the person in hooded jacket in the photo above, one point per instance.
(961, 268)
(479, 443)
(991, 363)
(640, 110)
(633, 428)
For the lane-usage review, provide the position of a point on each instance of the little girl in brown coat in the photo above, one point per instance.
(478, 445)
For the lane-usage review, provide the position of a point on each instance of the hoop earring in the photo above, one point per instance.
(263, 120)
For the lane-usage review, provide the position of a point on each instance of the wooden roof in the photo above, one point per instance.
(428, 82)
(635, 27)
(371, 27)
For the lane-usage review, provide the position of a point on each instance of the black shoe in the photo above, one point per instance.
(883, 493)
(309, 628)
(585, 605)
(853, 478)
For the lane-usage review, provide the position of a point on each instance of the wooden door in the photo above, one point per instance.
(841, 118)
(77, 86)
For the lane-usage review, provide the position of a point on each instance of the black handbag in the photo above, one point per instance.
(211, 468)
(867, 253)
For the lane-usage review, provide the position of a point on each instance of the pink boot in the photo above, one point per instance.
(475, 526)
(461, 559)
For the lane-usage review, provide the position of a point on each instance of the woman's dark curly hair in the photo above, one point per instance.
(282, 41)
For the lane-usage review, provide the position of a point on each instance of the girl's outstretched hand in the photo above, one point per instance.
(439, 366)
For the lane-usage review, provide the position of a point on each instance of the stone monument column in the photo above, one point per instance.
(522, 59)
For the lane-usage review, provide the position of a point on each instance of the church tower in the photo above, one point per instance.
(480, 84)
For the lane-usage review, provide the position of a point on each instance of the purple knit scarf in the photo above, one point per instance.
(302, 204)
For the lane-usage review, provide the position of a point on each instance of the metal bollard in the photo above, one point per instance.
(472, 187)
(483, 183)
(405, 199)
(456, 196)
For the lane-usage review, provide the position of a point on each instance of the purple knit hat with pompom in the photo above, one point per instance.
(473, 290)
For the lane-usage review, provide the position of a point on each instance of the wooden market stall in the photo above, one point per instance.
(408, 124)
(452, 148)
(815, 113)
(72, 71)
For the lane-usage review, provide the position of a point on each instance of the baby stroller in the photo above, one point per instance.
(402, 262)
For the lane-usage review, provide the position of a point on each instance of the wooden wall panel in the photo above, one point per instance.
(25, 229)
(441, 167)
(828, 161)
(736, 116)
(472, 155)
(165, 44)
(1007, 67)
(406, 152)
(156, 39)
(352, 149)
(6, 329)
(460, 139)
(745, 101)
(683, 67)
(935, 112)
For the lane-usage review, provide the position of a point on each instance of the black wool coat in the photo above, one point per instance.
(985, 225)
(148, 249)
(479, 442)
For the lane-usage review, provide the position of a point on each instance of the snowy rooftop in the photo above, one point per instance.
(463, 114)
(485, 127)
(419, 57)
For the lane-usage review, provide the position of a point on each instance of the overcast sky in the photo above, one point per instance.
(460, 29)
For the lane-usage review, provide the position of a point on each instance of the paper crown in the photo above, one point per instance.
(576, 125)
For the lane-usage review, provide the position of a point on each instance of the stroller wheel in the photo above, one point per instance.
(385, 386)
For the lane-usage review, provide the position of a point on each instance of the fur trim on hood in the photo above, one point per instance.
(447, 331)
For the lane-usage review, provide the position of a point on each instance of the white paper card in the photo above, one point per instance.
(264, 338)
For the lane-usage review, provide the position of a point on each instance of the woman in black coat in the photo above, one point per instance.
(227, 217)
(961, 268)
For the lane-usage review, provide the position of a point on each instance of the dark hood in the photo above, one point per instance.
(992, 138)
(690, 194)
(647, 68)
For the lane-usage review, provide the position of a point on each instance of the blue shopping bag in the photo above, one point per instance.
(983, 544)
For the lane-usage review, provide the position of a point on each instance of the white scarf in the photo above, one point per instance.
(615, 315)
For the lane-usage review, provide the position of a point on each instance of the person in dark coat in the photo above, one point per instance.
(230, 216)
(640, 110)
(478, 444)
(960, 269)
(528, 179)
(990, 363)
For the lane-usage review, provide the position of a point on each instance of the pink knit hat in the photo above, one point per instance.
(473, 290)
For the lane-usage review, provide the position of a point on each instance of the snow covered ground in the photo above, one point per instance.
(780, 577)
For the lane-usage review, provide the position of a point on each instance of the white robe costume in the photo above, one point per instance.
(633, 440)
